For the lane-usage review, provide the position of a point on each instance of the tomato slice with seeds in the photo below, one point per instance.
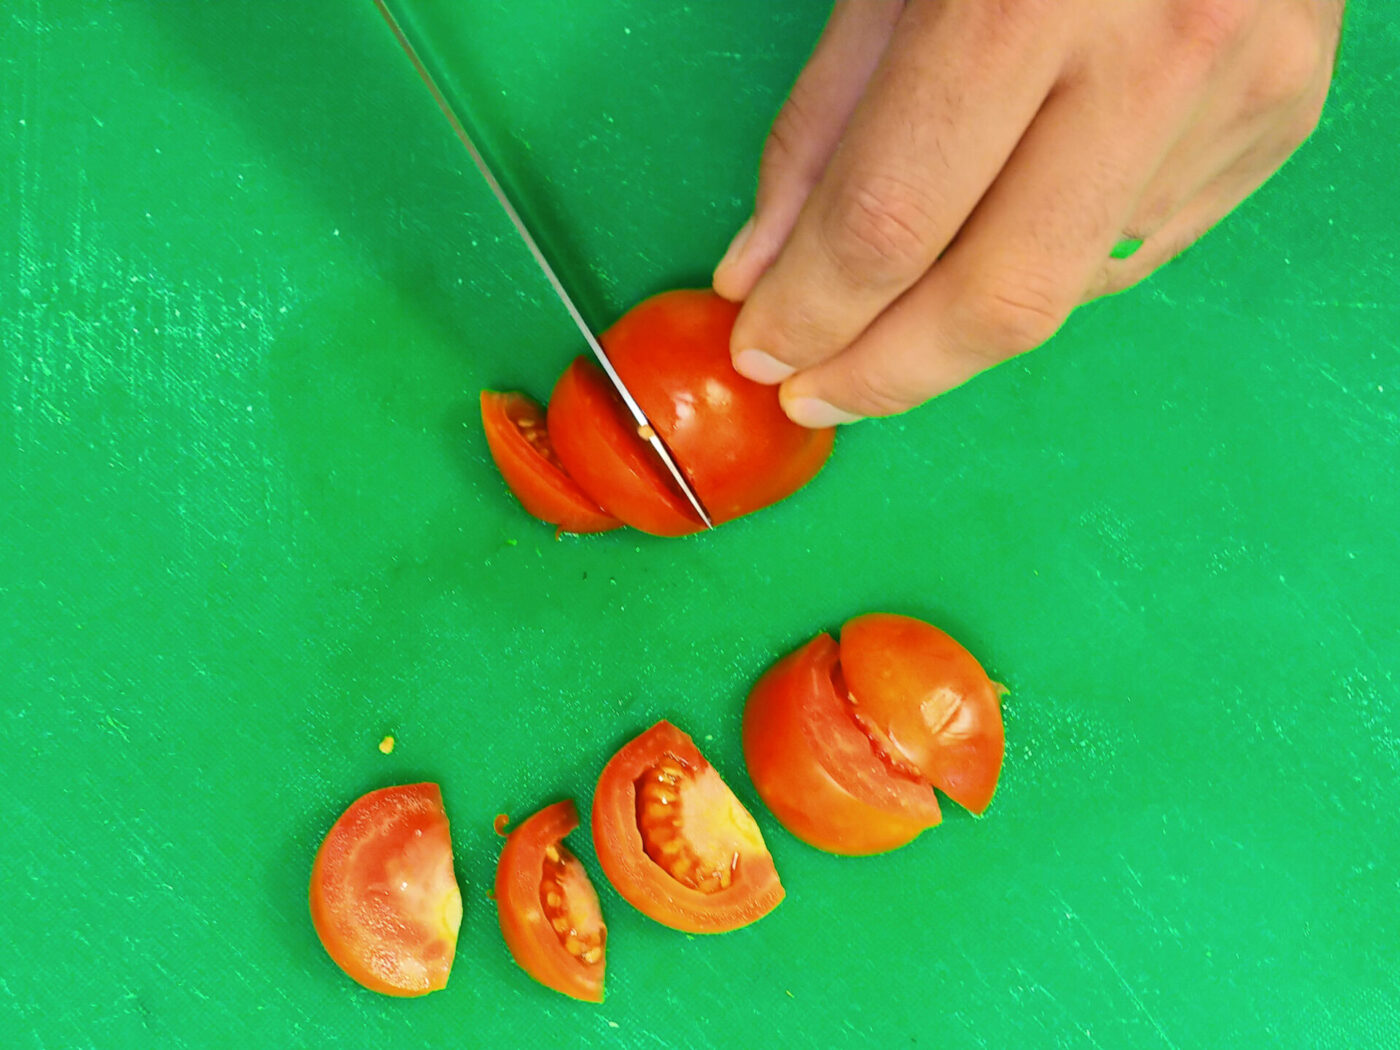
(549, 912)
(518, 438)
(846, 744)
(384, 898)
(927, 702)
(597, 441)
(675, 842)
(817, 771)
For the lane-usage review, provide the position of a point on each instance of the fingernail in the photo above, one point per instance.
(761, 367)
(815, 413)
(735, 250)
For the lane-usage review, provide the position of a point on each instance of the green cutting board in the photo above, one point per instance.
(248, 526)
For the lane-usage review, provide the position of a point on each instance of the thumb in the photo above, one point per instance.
(805, 134)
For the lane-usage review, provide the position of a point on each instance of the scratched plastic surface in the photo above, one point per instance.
(251, 289)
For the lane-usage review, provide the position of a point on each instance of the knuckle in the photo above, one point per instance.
(1013, 313)
(878, 393)
(879, 229)
(1290, 63)
(790, 128)
(1213, 27)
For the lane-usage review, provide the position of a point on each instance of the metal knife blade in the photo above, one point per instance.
(644, 428)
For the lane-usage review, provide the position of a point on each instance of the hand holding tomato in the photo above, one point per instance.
(585, 468)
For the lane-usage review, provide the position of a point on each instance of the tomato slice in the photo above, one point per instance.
(729, 434)
(549, 911)
(927, 703)
(597, 441)
(519, 442)
(675, 842)
(384, 899)
(815, 768)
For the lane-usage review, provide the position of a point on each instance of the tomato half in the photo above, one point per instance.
(548, 908)
(815, 768)
(519, 442)
(846, 744)
(927, 702)
(384, 899)
(728, 434)
(675, 842)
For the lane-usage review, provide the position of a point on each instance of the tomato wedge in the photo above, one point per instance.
(817, 771)
(927, 702)
(597, 442)
(549, 911)
(675, 842)
(846, 744)
(384, 898)
(519, 442)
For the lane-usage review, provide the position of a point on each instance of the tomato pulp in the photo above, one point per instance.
(846, 743)
(549, 912)
(675, 842)
(384, 898)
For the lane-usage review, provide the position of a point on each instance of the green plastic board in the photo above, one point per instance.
(248, 526)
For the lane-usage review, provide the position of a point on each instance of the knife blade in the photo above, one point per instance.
(645, 430)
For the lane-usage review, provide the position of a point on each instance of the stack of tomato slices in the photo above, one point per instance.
(583, 466)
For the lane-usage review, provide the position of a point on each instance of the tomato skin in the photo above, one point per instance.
(526, 928)
(730, 435)
(597, 442)
(384, 898)
(927, 701)
(816, 770)
(541, 486)
(642, 882)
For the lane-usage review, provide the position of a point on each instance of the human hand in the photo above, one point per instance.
(949, 178)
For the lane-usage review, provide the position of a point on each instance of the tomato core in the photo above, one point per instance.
(691, 824)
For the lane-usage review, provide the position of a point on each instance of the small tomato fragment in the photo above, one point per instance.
(675, 842)
(519, 442)
(384, 898)
(549, 911)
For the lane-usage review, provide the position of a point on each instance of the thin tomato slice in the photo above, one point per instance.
(927, 702)
(549, 911)
(384, 898)
(675, 842)
(597, 442)
(817, 771)
(519, 442)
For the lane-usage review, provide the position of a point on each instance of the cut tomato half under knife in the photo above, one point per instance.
(549, 912)
(675, 842)
(384, 898)
(517, 436)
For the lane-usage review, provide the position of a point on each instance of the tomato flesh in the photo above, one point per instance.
(674, 840)
(927, 703)
(384, 898)
(549, 912)
(518, 438)
(815, 769)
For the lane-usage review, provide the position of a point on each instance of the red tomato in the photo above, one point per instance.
(519, 443)
(927, 703)
(675, 842)
(384, 898)
(729, 435)
(548, 908)
(846, 744)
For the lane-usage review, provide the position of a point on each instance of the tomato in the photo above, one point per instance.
(846, 744)
(519, 442)
(728, 434)
(927, 703)
(548, 908)
(384, 899)
(675, 842)
(817, 771)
